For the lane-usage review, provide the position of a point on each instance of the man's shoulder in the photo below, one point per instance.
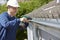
(3, 15)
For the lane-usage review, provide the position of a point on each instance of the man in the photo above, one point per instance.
(9, 22)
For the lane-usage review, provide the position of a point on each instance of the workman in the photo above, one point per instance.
(9, 22)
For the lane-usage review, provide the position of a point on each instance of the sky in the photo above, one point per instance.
(2, 2)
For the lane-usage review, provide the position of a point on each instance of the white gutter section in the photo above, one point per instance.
(49, 8)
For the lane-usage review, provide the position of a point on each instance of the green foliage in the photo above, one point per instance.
(21, 34)
(26, 7)
(3, 8)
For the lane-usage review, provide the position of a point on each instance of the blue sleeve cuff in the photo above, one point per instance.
(18, 21)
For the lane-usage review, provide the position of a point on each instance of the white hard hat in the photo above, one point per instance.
(13, 3)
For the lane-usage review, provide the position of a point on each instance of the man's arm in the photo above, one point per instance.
(5, 23)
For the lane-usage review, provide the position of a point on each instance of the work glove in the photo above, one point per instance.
(25, 19)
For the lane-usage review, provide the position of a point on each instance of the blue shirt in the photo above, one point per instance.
(10, 24)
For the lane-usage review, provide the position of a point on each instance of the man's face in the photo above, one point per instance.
(13, 10)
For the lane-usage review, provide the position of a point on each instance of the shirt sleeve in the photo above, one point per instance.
(5, 23)
(12, 23)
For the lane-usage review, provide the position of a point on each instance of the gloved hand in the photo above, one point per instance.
(24, 20)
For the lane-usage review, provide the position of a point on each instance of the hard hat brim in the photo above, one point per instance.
(13, 6)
